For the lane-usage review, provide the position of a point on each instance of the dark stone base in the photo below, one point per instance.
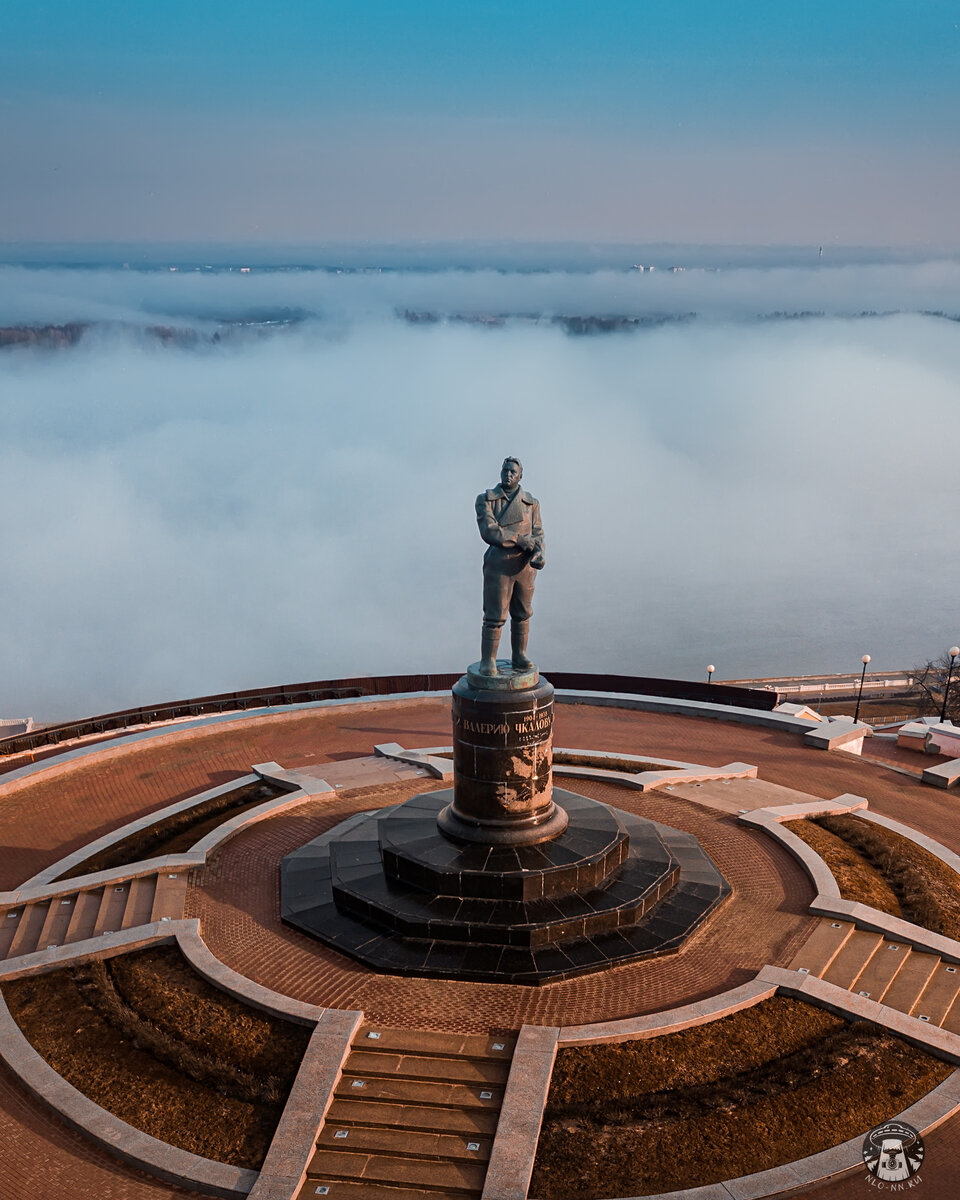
(510, 832)
(386, 888)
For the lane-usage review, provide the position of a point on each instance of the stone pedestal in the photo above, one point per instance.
(501, 878)
(502, 760)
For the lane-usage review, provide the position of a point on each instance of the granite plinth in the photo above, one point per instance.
(502, 762)
(387, 889)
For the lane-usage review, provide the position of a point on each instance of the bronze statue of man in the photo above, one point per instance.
(509, 520)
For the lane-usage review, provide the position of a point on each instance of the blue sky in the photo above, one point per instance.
(610, 120)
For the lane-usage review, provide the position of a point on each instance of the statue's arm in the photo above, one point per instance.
(537, 534)
(491, 530)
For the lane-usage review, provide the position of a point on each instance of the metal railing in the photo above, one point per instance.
(372, 685)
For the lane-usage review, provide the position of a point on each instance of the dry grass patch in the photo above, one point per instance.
(927, 889)
(155, 1044)
(856, 878)
(762, 1087)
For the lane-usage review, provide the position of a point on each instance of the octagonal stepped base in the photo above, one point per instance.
(617, 888)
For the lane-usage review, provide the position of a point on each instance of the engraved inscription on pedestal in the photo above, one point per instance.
(502, 763)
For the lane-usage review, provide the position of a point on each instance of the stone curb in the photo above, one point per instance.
(114, 746)
(285, 1167)
(196, 856)
(28, 893)
(896, 928)
(228, 829)
(651, 780)
(55, 870)
(643, 781)
(691, 708)
(108, 945)
(828, 902)
(135, 1147)
(770, 820)
(838, 1000)
(202, 959)
(672, 1021)
(944, 775)
(838, 735)
(293, 780)
(439, 768)
(521, 1114)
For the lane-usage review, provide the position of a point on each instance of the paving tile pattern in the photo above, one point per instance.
(45, 820)
(236, 898)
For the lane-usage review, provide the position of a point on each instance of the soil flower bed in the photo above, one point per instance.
(762, 1087)
(927, 889)
(856, 878)
(177, 833)
(152, 1042)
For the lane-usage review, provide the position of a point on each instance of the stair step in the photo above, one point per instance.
(910, 981)
(8, 927)
(84, 916)
(28, 929)
(112, 904)
(139, 902)
(413, 1117)
(55, 927)
(403, 1142)
(938, 996)
(352, 1189)
(424, 1173)
(171, 891)
(410, 1066)
(881, 970)
(414, 1091)
(854, 957)
(821, 947)
(951, 1022)
(433, 1042)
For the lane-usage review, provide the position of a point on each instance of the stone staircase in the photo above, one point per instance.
(413, 1115)
(915, 982)
(75, 916)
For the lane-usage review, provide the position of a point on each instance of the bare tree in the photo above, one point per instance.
(930, 680)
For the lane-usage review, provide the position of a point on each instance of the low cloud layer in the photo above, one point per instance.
(769, 497)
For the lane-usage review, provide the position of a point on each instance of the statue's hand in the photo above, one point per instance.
(526, 542)
(537, 562)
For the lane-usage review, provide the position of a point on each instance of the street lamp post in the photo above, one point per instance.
(954, 651)
(864, 660)
(711, 668)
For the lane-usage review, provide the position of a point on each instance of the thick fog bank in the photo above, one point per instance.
(768, 497)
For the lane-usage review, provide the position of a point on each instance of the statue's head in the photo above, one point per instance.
(511, 472)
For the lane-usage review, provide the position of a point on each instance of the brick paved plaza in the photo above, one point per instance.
(236, 894)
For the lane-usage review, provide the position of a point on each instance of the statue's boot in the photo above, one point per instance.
(489, 641)
(519, 631)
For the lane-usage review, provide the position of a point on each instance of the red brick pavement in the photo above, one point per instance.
(64, 809)
(70, 806)
(41, 1159)
(236, 898)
